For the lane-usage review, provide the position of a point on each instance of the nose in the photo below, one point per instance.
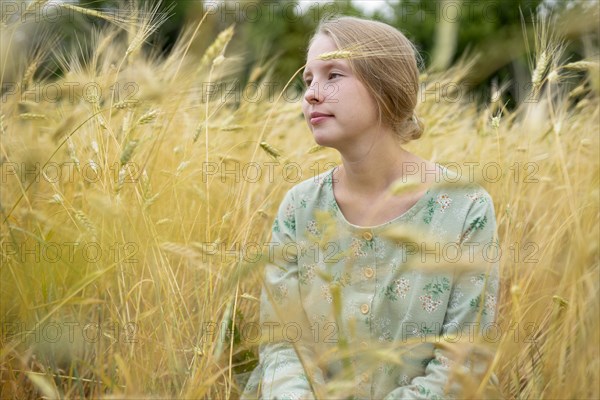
(312, 94)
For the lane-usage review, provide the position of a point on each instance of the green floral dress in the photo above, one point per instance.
(376, 311)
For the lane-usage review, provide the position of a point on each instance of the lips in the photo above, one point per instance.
(317, 117)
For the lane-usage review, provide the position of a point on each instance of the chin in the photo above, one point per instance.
(324, 138)
(324, 141)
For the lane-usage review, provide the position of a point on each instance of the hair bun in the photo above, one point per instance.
(418, 127)
(410, 129)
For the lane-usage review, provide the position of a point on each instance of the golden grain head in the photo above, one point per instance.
(217, 47)
(340, 54)
(270, 150)
(233, 127)
(540, 69)
(560, 301)
(128, 152)
(315, 149)
(148, 117)
(582, 65)
(32, 116)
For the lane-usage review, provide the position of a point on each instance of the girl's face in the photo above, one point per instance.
(337, 106)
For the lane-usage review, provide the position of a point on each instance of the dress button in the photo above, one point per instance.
(364, 345)
(367, 235)
(369, 272)
(365, 377)
(364, 308)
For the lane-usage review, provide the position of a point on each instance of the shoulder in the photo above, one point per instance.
(457, 205)
(468, 193)
(473, 208)
(314, 183)
(309, 190)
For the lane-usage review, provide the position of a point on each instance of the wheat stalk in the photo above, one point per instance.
(270, 150)
(128, 152)
(152, 19)
(93, 13)
(32, 116)
(339, 54)
(217, 47)
(315, 149)
(147, 117)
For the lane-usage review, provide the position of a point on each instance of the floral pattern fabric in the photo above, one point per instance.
(384, 297)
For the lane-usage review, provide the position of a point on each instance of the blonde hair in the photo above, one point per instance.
(385, 61)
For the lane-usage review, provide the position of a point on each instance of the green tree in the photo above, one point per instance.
(282, 32)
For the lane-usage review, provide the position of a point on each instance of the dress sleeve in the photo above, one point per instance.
(461, 359)
(286, 356)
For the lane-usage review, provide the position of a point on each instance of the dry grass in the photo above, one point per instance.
(141, 215)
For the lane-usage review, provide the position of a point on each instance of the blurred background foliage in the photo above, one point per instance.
(274, 35)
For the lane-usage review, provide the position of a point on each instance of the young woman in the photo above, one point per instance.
(374, 293)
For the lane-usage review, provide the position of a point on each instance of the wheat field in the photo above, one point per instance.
(134, 193)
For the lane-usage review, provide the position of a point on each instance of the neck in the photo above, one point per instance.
(371, 170)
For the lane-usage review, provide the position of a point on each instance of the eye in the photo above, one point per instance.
(334, 73)
(307, 82)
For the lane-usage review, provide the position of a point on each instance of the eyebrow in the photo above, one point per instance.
(327, 64)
